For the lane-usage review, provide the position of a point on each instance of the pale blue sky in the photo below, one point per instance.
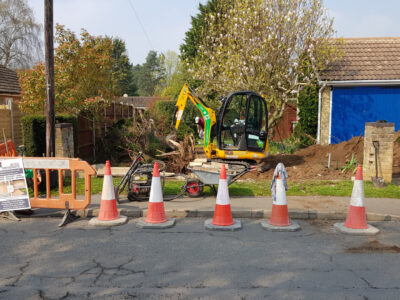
(161, 24)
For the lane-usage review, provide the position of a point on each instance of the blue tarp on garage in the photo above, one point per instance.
(352, 107)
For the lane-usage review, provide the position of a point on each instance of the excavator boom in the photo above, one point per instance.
(207, 113)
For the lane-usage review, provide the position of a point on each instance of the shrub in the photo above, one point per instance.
(308, 106)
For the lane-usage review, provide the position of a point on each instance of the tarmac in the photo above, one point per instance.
(307, 207)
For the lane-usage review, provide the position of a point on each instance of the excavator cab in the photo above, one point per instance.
(243, 123)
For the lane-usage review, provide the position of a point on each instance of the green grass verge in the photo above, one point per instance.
(262, 188)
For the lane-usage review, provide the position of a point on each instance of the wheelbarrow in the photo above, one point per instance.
(208, 174)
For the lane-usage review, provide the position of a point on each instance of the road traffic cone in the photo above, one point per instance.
(279, 220)
(222, 219)
(356, 220)
(108, 214)
(155, 213)
(279, 213)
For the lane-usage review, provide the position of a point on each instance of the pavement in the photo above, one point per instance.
(307, 207)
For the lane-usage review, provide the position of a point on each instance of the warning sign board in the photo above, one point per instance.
(14, 193)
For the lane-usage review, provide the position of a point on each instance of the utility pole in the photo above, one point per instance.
(49, 58)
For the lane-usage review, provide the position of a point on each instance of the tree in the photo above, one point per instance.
(171, 65)
(82, 71)
(175, 81)
(122, 69)
(20, 43)
(199, 28)
(149, 75)
(308, 109)
(264, 46)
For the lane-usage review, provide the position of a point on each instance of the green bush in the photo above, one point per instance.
(34, 133)
(308, 110)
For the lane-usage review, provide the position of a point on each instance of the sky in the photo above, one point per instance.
(160, 25)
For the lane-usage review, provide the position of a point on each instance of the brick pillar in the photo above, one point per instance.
(383, 133)
(64, 140)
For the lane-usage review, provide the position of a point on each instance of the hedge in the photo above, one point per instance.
(34, 133)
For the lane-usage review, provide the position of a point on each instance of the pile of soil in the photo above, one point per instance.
(312, 162)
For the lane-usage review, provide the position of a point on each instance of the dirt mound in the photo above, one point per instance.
(312, 162)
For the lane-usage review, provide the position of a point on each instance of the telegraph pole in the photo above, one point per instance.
(49, 63)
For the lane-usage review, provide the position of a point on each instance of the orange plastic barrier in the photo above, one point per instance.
(59, 164)
(8, 149)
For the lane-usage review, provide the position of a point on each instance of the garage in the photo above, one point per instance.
(353, 106)
(362, 85)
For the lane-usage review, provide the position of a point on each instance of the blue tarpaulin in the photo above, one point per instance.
(353, 107)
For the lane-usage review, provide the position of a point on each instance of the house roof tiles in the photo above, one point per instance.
(141, 102)
(9, 81)
(366, 59)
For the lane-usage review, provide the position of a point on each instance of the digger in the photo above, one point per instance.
(238, 131)
(236, 135)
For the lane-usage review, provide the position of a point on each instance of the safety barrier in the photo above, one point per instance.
(8, 149)
(63, 201)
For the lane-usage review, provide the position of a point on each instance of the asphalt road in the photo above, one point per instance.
(41, 261)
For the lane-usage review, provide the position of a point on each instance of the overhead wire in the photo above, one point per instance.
(140, 23)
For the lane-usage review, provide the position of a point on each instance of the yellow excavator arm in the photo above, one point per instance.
(207, 113)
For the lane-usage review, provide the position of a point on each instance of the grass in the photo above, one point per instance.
(262, 188)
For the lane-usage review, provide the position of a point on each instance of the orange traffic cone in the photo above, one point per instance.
(279, 220)
(222, 219)
(356, 220)
(156, 213)
(356, 217)
(108, 214)
(279, 213)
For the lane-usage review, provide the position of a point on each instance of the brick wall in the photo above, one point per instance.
(325, 115)
(384, 134)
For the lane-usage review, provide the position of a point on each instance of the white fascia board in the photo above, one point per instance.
(360, 82)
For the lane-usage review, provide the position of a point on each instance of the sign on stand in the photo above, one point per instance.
(14, 193)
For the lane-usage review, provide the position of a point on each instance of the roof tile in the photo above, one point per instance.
(366, 59)
(9, 81)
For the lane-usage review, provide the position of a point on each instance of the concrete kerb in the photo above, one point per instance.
(245, 213)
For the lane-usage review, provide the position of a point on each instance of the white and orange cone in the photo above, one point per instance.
(279, 212)
(356, 220)
(222, 219)
(156, 213)
(108, 214)
(279, 220)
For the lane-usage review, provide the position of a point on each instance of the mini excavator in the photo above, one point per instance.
(238, 131)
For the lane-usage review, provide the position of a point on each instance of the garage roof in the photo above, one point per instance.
(8, 81)
(365, 59)
(141, 102)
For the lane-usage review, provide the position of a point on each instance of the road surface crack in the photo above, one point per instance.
(18, 276)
